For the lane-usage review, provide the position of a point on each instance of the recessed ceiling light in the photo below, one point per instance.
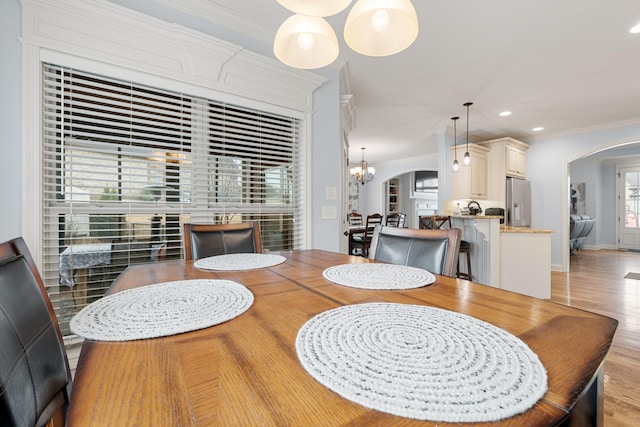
(635, 29)
(537, 129)
(505, 114)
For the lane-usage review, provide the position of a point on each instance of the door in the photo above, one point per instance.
(629, 208)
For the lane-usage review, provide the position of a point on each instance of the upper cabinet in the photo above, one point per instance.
(470, 182)
(508, 158)
(516, 161)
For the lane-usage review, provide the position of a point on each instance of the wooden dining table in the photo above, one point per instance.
(245, 372)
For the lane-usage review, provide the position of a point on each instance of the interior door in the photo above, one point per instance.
(629, 208)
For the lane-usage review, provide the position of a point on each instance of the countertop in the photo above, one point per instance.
(526, 230)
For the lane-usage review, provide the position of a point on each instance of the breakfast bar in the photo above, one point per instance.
(516, 259)
(254, 369)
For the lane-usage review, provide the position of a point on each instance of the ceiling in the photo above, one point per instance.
(568, 66)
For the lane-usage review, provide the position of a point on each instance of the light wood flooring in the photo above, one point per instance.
(596, 283)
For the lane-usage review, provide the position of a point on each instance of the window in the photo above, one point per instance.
(126, 164)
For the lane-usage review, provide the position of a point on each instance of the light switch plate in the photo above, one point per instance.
(329, 212)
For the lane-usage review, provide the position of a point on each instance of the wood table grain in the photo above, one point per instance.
(245, 372)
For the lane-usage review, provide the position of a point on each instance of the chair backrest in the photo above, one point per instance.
(205, 240)
(432, 250)
(434, 222)
(395, 220)
(35, 379)
(372, 221)
(354, 219)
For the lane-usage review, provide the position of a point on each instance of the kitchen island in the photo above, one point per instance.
(516, 259)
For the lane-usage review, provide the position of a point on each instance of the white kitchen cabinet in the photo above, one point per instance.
(507, 157)
(516, 160)
(470, 182)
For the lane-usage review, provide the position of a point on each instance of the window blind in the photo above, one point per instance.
(125, 165)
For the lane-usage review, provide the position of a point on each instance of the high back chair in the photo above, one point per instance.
(35, 379)
(395, 220)
(205, 240)
(359, 243)
(354, 219)
(432, 250)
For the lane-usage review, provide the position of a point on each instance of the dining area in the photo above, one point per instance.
(233, 335)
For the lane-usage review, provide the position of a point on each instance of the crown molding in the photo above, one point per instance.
(222, 17)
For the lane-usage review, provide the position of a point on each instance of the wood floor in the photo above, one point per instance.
(596, 283)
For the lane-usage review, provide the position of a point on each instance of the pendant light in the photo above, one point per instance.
(381, 27)
(467, 157)
(455, 166)
(306, 42)
(315, 7)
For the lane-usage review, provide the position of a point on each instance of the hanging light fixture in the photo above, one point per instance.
(373, 28)
(467, 157)
(315, 7)
(306, 42)
(363, 173)
(455, 166)
(381, 27)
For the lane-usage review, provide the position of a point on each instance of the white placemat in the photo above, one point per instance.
(162, 309)
(234, 262)
(378, 276)
(421, 362)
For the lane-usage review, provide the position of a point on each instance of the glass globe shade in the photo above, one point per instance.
(315, 7)
(306, 42)
(381, 27)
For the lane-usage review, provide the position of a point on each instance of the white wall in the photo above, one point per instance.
(547, 169)
(10, 120)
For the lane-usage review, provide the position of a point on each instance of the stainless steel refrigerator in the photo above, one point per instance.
(518, 203)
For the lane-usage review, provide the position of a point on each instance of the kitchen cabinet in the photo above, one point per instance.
(393, 196)
(470, 182)
(507, 157)
(516, 160)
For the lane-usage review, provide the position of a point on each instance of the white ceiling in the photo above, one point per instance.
(567, 65)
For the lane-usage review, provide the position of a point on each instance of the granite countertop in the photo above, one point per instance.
(526, 230)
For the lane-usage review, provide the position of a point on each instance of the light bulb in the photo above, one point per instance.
(456, 166)
(467, 159)
(305, 41)
(380, 20)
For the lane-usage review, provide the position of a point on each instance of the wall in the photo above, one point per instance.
(548, 170)
(10, 121)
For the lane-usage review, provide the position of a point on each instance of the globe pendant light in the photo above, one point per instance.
(455, 166)
(381, 27)
(315, 7)
(306, 42)
(467, 157)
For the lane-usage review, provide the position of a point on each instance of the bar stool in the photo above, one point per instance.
(465, 248)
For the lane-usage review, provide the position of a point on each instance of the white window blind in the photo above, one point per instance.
(125, 165)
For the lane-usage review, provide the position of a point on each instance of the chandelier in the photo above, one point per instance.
(363, 173)
(373, 28)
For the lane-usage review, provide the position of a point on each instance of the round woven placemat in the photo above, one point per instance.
(236, 262)
(378, 276)
(421, 362)
(162, 309)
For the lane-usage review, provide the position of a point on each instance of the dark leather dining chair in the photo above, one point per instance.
(35, 379)
(205, 240)
(432, 250)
